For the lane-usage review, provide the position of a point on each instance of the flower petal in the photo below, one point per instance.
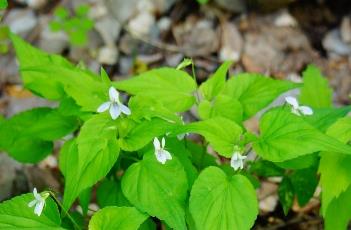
(104, 107)
(292, 101)
(161, 157)
(32, 203)
(157, 144)
(305, 110)
(39, 208)
(36, 194)
(115, 111)
(114, 95)
(124, 109)
(167, 155)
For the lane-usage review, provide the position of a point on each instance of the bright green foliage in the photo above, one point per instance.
(222, 133)
(213, 86)
(255, 91)
(95, 153)
(77, 27)
(338, 215)
(110, 193)
(173, 88)
(221, 202)
(121, 218)
(186, 62)
(221, 106)
(28, 135)
(286, 194)
(178, 149)
(15, 214)
(54, 78)
(146, 107)
(140, 134)
(285, 136)
(266, 169)
(304, 182)
(159, 190)
(315, 91)
(4, 38)
(323, 118)
(146, 190)
(3, 4)
(336, 179)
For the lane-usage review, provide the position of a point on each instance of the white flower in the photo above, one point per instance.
(39, 202)
(296, 108)
(162, 155)
(237, 161)
(115, 105)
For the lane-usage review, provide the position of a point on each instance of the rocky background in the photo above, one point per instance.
(275, 37)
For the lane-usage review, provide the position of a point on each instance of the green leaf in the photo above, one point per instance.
(91, 157)
(323, 118)
(82, 10)
(221, 106)
(173, 88)
(222, 133)
(338, 214)
(121, 218)
(255, 91)
(29, 133)
(221, 202)
(61, 12)
(200, 157)
(146, 107)
(186, 62)
(286, 194)
(211, 88)
(300, 162)
(140, 134)
(285, 136)
(3, 4)
(266, 169)
(84, 200)
(109, 193)
(304, 182)
(315, 91)
(334, 167)
(157, 189)
(178, 148)
(53, 77)
(15, 214)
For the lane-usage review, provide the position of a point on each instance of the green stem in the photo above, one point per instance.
(76, 226)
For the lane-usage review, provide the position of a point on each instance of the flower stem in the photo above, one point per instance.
(76, 226)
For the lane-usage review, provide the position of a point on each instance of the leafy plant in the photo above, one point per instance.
(75, 26)
(146, 170)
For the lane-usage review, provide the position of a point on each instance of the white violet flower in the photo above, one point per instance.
(237, 161)
(38, 202)
(114, 105)
(162, 155)
(296, 108)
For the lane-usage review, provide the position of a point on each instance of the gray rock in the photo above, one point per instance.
(345, 29)
(52, 42)
(108, 55)
(8, 168)
(231, 42)
(333, 43)
(109, 29)
(21, 22)
(122, 10)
